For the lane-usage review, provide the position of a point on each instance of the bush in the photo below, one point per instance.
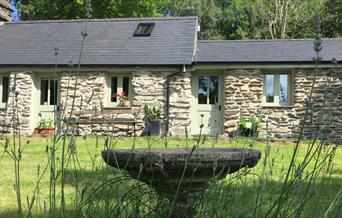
(152, 113)
(250, 126)
(45, 124)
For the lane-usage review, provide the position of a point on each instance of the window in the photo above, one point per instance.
(48, 91)
(4, 90)
(117, 85)
(208, 87)
(144, 29)
(277, 89)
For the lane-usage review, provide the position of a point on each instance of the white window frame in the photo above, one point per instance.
(3, 105)
(120, 77)
(49, 78)
(276, 102)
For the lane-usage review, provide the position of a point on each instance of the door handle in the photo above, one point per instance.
(219, 107)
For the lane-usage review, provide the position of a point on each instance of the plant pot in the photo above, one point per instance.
(44, 132)
(124, 104)
(155, 128)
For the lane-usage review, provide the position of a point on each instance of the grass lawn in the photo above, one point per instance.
(236, 196)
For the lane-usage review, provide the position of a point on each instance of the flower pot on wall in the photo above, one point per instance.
(155, 128)
(125, 104)
(44, 131)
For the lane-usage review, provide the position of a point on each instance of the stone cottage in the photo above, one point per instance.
(202, 86)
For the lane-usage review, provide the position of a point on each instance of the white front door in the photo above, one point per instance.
(207, 115)
(47, 97)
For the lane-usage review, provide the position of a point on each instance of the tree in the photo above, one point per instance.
(219, 19)
(206, 10)
(76, 9)
(332, 18)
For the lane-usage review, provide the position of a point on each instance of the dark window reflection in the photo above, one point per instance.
(114, 88)
(202, 89)
(5, 85)
(125, 85)
(213, 89)
(53, 92)
(44, 91)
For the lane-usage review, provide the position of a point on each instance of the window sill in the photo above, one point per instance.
(278, 106)
(116, 108)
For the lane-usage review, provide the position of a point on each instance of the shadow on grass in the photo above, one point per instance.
(105, 193)
(239, 199)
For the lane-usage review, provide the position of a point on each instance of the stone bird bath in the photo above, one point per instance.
(181, 174)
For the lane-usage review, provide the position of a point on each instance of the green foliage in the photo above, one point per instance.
(219, 19)
(332, 18)
(250, 126)
(52, 10)
(152, 112)
(45, 124)
(207, 12)
(76, 9)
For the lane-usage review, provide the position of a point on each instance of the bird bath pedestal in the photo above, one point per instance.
(181, 174)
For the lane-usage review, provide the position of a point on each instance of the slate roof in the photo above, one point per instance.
(266, 51)
(109, 42)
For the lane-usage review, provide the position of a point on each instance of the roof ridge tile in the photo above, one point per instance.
(102, 20)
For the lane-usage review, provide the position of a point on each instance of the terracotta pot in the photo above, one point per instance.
(44, 132)
(125, 104)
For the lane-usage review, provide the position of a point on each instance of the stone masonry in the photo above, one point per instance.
(18, 115)
(147, 88)
(243, 97)
(5, 10)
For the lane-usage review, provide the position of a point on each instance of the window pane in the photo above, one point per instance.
(269, 88)
(202, 89)
(5, 84)
(283, 98)
(113, 89)
(213, 89)
(44, 86)
(125, 85)
(53, 92)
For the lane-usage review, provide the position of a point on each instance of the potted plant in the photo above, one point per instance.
(123, 99)
(153, 118)
(44, 127)
(250, 126)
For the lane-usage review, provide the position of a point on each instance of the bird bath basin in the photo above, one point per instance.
(180, 174)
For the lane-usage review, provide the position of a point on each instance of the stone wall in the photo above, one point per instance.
(147, 88)
(150, 88)
(87, 95)
(180, 103)
(243, 97)
(22, 108)
(5, 10)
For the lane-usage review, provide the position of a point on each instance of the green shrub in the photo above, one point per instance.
(45, 124)
(152, 112)
(250, 126)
